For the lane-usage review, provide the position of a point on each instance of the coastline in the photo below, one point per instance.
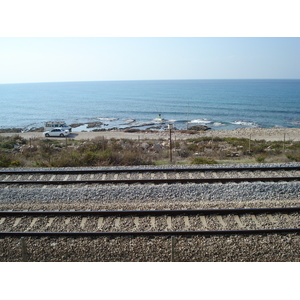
(268, 134)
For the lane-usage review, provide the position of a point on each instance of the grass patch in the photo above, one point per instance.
(16, 152)
(203, 161)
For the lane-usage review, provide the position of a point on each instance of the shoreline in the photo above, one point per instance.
(268, 134)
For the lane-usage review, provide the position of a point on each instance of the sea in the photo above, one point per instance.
(152, 104)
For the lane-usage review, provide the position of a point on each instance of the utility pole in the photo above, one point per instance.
(170, 126)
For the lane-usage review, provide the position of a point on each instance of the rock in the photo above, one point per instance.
(199, 128)
(145, 146)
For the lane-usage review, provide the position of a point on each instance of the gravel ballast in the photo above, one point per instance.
(130, 197)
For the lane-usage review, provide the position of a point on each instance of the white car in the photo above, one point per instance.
(56, 132)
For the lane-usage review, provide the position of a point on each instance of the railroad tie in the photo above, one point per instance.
(17, 221)
(254, 219)
(169, 222)
(32, 224)
(221, 221)
(186, 222)
(203, 220)
(68, 220)
(271, 218)
(117, 222)
(100, 222)
(136, 221)
(238, 221)
(83, 221)
(50, 222)
(152, 222)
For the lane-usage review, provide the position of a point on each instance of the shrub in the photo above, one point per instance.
(260, 159)
(293, 157)
(203, 161)
(192, 147)
(4, 161)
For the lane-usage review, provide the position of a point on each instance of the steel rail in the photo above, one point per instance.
(151, 233)
(236, 211)
(139, 170)
(154, 181)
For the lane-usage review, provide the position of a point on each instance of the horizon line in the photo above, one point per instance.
(118, 80)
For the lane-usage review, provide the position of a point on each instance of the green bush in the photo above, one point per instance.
(192, 147)
(260, 159)
(203, 161)
(5, 161)
(293, 156)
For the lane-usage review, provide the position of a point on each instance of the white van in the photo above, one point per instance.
(57, 124)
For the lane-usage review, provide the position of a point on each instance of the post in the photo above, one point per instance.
(66, 142)
(284, 143)
(250, 144)
(170, 128)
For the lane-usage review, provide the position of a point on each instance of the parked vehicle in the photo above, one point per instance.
(57, 124)
(57, 132)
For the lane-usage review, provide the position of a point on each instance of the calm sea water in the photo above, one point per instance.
(219, 104)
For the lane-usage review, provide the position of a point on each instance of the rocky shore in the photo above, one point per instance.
(268, 134)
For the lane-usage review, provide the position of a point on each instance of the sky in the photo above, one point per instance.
(36, 59)
(90, 40)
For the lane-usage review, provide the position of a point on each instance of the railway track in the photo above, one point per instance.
(149, 175)
(209, 222)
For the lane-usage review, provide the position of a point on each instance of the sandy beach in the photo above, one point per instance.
(272, 134)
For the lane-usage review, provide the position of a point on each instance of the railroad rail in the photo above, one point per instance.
(152, 170)
(13, 219)
(182, 175)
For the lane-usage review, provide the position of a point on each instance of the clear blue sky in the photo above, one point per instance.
(95, 59)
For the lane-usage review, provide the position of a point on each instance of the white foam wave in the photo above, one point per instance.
(245, 123)
(200, 121)
(295, 122)
(217, 124)
(129, 121)
(108, 119)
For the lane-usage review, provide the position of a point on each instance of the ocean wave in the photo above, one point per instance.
(245, 123)
(295, 123)
(201, 121)
(129, 121)
(218, 124)
(107, 119)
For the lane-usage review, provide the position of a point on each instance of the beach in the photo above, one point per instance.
(270, 134)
